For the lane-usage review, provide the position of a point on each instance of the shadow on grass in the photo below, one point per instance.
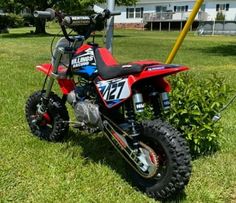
(221, 50)
(98, 149)
(27, 35)
(32, 35)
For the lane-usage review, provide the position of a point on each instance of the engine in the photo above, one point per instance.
(86, 112)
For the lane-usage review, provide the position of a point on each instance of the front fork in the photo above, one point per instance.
(42, 108)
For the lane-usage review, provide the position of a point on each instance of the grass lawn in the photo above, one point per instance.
(86, 168)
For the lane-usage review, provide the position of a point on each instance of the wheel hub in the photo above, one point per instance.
(38, 120)
(148, 161)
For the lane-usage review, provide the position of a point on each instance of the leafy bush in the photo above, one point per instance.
(11, 20)
(194, 102)
(15, 20)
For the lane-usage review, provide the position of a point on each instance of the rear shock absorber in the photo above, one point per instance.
(160, 102)
(164, 99)
(136, 106)
(138, 102)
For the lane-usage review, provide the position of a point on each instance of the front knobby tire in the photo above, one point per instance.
(174, 161)
(54, 127)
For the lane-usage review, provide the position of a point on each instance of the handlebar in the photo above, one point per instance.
(75, 21)
(115, 13)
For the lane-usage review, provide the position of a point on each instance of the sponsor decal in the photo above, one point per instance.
(155, 68)
(139, 106)
(127, 66)
(84, 59)
(161, 67)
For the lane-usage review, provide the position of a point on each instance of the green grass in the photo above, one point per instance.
(86, 168)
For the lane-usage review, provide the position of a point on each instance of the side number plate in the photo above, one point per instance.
(114, 89)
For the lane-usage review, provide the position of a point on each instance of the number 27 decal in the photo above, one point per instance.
(114, 89)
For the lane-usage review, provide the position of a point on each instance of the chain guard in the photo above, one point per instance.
(144, 161)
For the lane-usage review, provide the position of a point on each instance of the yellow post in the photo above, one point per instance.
(184, 31)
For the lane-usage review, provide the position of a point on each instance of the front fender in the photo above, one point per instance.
(66, 85)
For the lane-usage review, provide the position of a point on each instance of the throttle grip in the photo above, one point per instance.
(48, 14)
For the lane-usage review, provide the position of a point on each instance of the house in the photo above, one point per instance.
(172, 13)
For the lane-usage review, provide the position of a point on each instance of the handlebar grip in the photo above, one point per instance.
(48, 14)
(115, 13)
(76, 20)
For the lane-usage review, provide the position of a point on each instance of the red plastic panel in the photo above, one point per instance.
(83, 48)
(66, 85)
(47, 68)
(146, 62)
(107, 57)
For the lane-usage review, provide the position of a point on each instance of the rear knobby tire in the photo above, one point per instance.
(174, 160)
(57, 129)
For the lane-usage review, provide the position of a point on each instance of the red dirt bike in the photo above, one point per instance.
(108, 97)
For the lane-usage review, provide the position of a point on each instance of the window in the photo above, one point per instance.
(134, 12)
(181, 8)
(222, 7)
(186, 8)
(139, 12)
(227, 7)
(160, 9)
(130, 13)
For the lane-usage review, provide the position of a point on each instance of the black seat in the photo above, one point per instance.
(113, 70)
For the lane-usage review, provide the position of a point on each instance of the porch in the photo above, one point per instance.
(171, 20)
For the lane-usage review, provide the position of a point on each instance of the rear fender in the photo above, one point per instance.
(156, 74)
(66, 85)
(115, 91)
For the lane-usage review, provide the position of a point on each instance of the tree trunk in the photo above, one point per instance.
(4, 30)
(40, 26)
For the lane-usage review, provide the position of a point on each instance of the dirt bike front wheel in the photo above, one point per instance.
(173, 165)
(52, 126)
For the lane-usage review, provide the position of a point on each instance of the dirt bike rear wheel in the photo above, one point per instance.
(174, 160)
(52, 126)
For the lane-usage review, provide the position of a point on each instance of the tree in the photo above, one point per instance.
(37, 5)
(76, 7)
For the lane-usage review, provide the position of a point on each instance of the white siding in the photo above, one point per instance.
(229, 15)
(150, 7)
(122, 18)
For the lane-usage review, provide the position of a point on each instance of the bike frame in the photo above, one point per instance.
(155, 70)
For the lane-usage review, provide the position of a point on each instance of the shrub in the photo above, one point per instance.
(11, 20)
(194, 103)
(15, 20)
